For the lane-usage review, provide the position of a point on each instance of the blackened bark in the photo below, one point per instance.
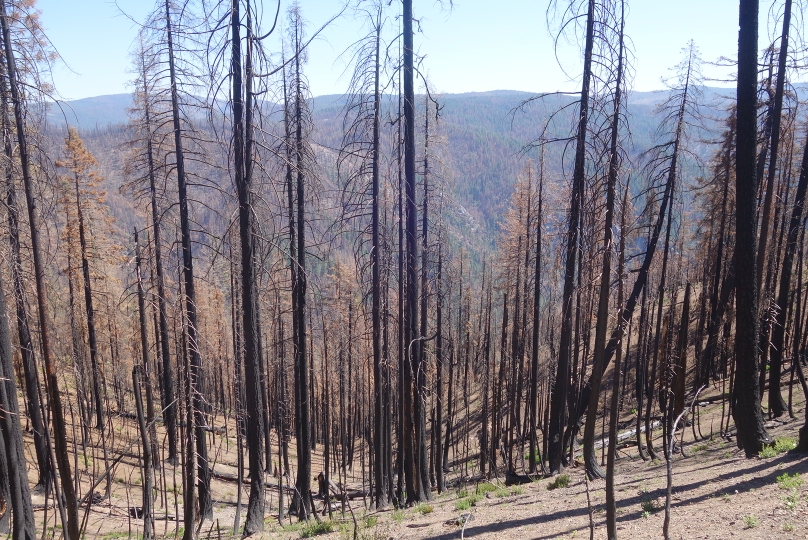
(560, 395)
(776, 404)
(592, 466)
(253, 357)
(166, 375)
(27, 350)
(746, 407)
(14, 448)
(380, 442)
(415, 490)
(59, 432)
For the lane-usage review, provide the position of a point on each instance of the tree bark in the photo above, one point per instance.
(746, 407)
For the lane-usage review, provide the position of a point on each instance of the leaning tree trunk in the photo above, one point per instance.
(90, 312)
(560, 394)
(776, 404)
(59, 431)
(592, 466)
(194, 360)
(166, 377)
(29, 364)
(778, 338)
(14, 446)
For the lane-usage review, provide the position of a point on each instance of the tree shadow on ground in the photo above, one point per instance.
(796, 464)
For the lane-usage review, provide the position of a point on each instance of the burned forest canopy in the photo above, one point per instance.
(486, 126)
(227, 300)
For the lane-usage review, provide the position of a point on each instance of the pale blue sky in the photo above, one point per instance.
(480, 45)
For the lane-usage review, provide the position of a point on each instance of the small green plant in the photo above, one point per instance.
(463, 493)
(767, 452)
(502, 492)
(789, 481)
(725, 497)
(780, 446)
(518, 490)
(561, 481)
(468, 502)
(115, 535)
(316, 527)
(462, 505)
(424, 509)
(289, 527)
(701, 447)
(485, 487)
(646, 514)
(370, 521)
(788, 527)
(791, 501)
(784, 444)
(649, 506)
(751, 521)
(398, 516)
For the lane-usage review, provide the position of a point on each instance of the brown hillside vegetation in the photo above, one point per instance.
(269, 330)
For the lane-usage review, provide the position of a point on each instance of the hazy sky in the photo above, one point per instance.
(477, 46)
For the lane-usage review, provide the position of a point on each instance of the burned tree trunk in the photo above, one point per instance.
(59, 432)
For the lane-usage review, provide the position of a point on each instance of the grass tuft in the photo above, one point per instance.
(316, 527)
(789, 481)
(561, 481)
(424, 509)
(780, 446)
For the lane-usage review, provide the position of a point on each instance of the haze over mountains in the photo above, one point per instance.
(486, 142)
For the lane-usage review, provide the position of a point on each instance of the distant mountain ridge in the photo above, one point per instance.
(486, 137)
(111, 109)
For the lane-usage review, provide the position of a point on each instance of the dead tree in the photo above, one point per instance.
(59, 431)
(746, 408)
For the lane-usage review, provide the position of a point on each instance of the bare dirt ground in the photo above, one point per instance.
(717, 494)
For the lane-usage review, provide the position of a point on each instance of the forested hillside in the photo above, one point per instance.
(232, 308)
(486, 139)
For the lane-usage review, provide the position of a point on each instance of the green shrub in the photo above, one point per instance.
(468, 502)
(316, 527)
(780, 446)
(649, 506)
(751, 521)
(789, 481)
(767, 452)
(561, 481)
(485, 487)
(463, 505)
(424, 509)
(784, 444)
